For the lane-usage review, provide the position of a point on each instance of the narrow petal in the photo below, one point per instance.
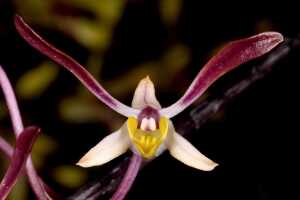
(129, 177)
(6, 148)
(74, 67)
(107, 149)
(186, 153)
(144, 95)
(11, 102)
(23, 148)
(231, 56)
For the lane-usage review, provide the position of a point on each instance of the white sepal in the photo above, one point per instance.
(186, 153)
(107, 149)
(144, 95)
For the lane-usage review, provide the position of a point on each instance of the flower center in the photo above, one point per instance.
(147, 137)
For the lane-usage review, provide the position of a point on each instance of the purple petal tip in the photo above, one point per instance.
(23, 148)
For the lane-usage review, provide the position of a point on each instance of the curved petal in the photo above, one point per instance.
(144, 95)
(186, 153)
(11, 102)
(74, 67)
(112, 146)
(8, 150)
(231, 56)
(129, 177)
(35, 182)
(23, 148)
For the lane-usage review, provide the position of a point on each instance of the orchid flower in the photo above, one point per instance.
(148, 130)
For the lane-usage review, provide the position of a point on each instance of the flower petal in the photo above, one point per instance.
(107, 149)
(11, 102)
(144, 95)
(129, 177)
(231, 56)
(6, 148)
(186, 153)
(36, 183)
(24, 144)
(74, 67)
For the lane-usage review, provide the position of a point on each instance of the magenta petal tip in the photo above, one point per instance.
(228, 58)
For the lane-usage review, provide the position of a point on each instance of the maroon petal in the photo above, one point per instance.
(24, 144)
(8, 150)
(231, 56)
(74, 67)
(129, 177)
(35, 182)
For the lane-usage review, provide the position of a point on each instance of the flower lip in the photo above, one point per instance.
(147, 142)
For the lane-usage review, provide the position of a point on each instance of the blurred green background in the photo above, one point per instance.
(120, 42)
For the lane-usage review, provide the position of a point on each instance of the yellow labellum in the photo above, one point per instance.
(147, 142)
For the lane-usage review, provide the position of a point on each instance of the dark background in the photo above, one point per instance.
(253, 138)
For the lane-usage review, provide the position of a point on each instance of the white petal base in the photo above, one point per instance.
(186, 153)
(107, 149)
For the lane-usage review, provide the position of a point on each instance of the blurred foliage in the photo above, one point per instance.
(69, 176)
(170, 10)
(43, 147)
(33, 83)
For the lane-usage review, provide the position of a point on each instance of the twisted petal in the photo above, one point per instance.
(36, 183)
(74, 67)
(107, 149)
(186, 153)
(231, 56)
(144, 95)
(129, 177)
(24, 144)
